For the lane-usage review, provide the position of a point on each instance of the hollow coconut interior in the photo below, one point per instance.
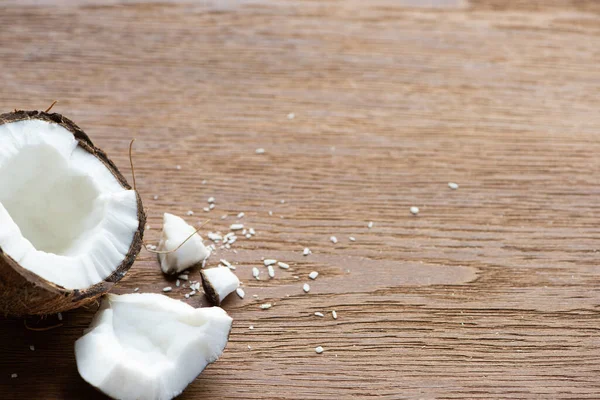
(63, 214)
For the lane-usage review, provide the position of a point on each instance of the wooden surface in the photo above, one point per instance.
(490, 292)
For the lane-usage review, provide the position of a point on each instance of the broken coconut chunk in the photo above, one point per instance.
(149, 346)
(70, 224)
(175, 232)
(218, 283)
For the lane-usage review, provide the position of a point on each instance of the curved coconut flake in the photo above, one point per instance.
(149, 346)
(70, 225)
(218, 283)
(175, 232)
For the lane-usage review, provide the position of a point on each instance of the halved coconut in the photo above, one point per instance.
(70, 224)
(149, 346)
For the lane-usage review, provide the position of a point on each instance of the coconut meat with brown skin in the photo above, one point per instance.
(218, 283)
(149, 346)
(173, 256)
(63, 214)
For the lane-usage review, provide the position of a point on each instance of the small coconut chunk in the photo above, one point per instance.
(333, 239)
(167, 289)
(306, 251)
(370, 225)
(266, 306)
(319, 314)
(319, 349)
(313, 275)
(271, 271)
(236, 227)
(191, 253)
(414, 210)
(13, 376)
(218, 283)
(283, 265)
(148, 346)
(255, 272)
(306, 288)
(211, 200)
(32, 348)
(334, 314)
(269, 262)
(453, 185)
(260, 150)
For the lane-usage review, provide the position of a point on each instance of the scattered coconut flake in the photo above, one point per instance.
(155, 197)
(291, 116)
(184, 277)
(59, 315)
(334, 314)
(266, 306)
(214, 237)
(333, 239)
(211, 206)
(225, 262)
(319, 314)
(370, 224)
(313, 275)
(248, 236)
(32, 348)
(13, 376)
(187, 296)
(271, 271)
(240, 292)
(252, 231)
(352, 239)
(190, 213)
(249, 347)
(251, 327)
(255, 272)
(306, 251)
(136, 289)
(269, 261)
(283, 265)
(167, 289)
(211, 200)
(282, 201)
(177, 283)
(236, 227)
(241, 215)
(453, 185)
(178, 167)
(319, 349)
(271, 213)
(204, 181)
(414, 210)
(306, 287)
(206, 209)
(223, 216)
(260, 150)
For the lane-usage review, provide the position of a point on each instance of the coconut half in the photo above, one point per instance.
(70, 224)
(149, 346)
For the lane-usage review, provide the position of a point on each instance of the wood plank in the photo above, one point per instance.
(490, 292)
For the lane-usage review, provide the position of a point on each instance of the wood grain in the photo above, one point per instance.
(490, 292)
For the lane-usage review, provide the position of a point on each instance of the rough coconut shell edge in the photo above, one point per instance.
(23, 292)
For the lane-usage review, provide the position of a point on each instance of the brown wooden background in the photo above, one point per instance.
(491, 292)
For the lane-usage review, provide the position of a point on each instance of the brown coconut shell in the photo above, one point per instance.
(23, 292)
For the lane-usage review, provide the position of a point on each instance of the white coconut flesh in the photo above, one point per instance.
(179, 257)
(222, 281)
(149, 346)
(63, 214)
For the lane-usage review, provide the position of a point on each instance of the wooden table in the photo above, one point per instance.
(490, 292)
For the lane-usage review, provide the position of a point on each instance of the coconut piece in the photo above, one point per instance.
(175, 232)
(149, 346)
(218, 283)
(70, 224)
